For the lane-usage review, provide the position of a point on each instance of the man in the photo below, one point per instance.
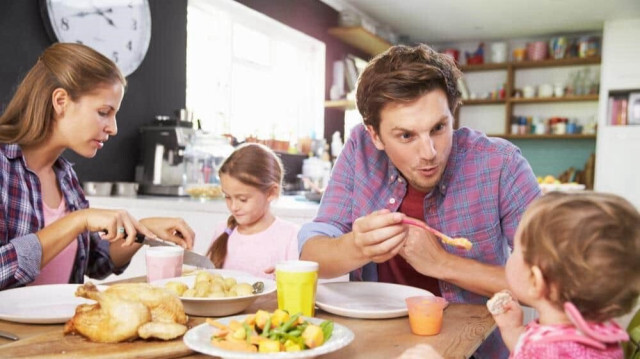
(407, 161)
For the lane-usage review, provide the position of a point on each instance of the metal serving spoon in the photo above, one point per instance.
(258, 287)
(8, 335)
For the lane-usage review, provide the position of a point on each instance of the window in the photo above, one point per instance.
(250, 75)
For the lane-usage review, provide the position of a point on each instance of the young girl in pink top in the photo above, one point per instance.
(576, 260)
(252, 240)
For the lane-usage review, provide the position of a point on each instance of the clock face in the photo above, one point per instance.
(119, 29)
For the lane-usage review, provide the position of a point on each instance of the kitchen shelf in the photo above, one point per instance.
(361, 39)
(577, 61)
(580, 98)
(340, 104)
(546, 137)
(509, 103)
(487, 101)
(484, 67)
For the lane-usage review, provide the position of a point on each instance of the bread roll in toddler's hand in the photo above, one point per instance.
(498, 302)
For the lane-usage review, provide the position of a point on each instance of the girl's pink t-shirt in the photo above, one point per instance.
(567, 341)
(254, 253)
(58, 270)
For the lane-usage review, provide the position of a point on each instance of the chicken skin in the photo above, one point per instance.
(127, 311)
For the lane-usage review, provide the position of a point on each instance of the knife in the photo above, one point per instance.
(8, 335)
(190, 257)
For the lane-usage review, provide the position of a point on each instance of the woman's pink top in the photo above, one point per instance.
(58, 270)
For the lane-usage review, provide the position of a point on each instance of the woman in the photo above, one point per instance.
(68, 100)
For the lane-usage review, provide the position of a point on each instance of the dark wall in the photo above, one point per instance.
(156, 87)
(313, 18)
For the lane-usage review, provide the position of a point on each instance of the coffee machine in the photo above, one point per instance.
(161, 170)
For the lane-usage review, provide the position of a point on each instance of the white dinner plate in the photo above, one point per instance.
(41, 304)
(368, 300)
(199, 339)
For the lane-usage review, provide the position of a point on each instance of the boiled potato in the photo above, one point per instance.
(209, 285)
(243, 289)
(190, 293)
(177, 287)
(229, 282)
(204, 276)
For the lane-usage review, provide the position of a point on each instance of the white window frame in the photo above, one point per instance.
(286, 99)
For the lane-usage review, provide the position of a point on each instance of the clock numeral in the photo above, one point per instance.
(134, 25)
(115, 56)
(130, 45)
(64, 24)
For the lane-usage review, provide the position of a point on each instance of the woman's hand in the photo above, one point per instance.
(171, 229)
(115, 224)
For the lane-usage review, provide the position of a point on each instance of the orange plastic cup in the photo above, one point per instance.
(425, 314)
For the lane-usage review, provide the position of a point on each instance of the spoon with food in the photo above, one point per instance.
(459, 242)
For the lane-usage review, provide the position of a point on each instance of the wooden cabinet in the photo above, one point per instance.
(361, 39)
(340, 104)
(510, 102)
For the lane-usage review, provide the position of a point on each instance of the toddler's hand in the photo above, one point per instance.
(505, 310)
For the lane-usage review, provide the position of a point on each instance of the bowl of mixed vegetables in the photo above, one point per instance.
(268, 335)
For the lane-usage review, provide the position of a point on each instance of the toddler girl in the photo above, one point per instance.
(252, 240)
(576, 260)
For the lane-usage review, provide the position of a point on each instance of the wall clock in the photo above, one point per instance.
(119, 29)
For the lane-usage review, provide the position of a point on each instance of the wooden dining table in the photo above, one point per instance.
(464, 328)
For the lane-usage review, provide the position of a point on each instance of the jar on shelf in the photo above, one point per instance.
(202, 159)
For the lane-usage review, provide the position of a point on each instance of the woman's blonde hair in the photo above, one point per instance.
(76, 68)
(257, 166)
(587, 247)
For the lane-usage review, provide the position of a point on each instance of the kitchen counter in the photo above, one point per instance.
(296, 208)
(202, 216)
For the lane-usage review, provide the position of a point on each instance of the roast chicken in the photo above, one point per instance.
(127, 311)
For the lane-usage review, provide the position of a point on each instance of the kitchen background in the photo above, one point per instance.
(158, 85)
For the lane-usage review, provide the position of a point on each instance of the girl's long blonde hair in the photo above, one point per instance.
(76, 68)
(254, 165)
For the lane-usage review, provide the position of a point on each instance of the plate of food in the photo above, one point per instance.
(367, 300)
(217, 292)
(304, 337)
(40, 304)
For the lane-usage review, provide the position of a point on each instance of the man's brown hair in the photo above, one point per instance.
(402, 74)
(587, 247)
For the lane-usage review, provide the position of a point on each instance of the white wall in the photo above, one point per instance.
(617, 170)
